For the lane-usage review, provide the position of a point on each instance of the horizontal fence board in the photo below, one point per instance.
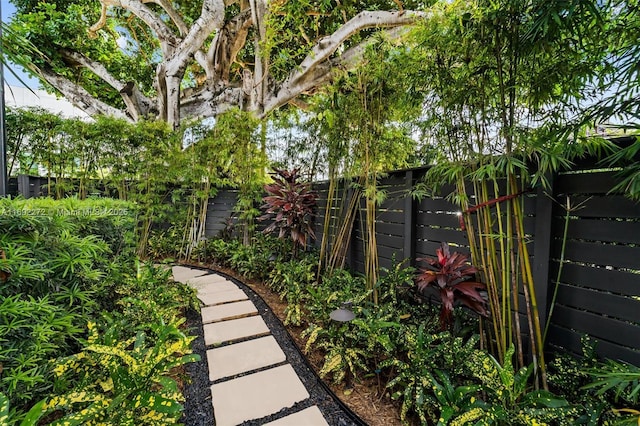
(621, 231)
(437, 205)
(598, 326)
(383, 253)
(443, 234)
(390, 216)
(386, 240)
(610, 206)
(220, 213)
(614, 281)
(390, 228)
(600, 254)
(395, 179)
(570, 340)
(428, 248)
(585, 183)
(438, 219)
(614, 306)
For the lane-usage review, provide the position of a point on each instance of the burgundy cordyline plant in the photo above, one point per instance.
(290, 205)
(450, 275)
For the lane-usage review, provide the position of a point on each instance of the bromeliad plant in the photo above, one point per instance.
(451, 275)
(290, 205)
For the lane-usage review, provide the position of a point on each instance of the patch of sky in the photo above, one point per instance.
(14, 75)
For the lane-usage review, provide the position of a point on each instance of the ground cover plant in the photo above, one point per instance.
(86, 330)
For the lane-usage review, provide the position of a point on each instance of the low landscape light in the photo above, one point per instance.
(343, 314)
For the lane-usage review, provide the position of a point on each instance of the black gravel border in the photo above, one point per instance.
(198, 408)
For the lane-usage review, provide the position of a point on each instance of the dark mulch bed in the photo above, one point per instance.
(198, 410)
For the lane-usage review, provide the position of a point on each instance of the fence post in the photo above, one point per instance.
(24, 186)
(37, 187)
(409, 221)
(542, 249)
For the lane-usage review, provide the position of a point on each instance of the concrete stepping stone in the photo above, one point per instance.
(207, 279)
(256, 395)
(203, 287)
(183, 274)
(228, 311)
(308, 417)
(242, 357)
(217, 298)
(226, 331)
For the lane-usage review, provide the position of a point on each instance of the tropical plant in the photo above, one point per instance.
(396, 284)
(450, 275)
(343, 359)
(32, 331)
(9, 417)
(621, 379)
(150, 295)
(53, 245)
(290, 205)
(452, 400)
(509, 398)
(123, 380)
(295, 273)
(413, 382)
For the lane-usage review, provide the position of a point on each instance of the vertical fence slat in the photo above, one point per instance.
(24, 187)
(409, 221)
(542, 249)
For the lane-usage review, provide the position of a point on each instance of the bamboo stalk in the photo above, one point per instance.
(516, 313)
(528, 285)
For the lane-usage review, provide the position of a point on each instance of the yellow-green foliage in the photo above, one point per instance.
(123, 382)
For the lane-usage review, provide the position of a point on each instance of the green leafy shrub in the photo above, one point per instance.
(395, 286)
(217, 250)
(291, 280)
(123, 380)
(165, 244)
(509, 399)
(423, 353)
(342, 357)
(32, 331)
(620, 378)
(50, 245)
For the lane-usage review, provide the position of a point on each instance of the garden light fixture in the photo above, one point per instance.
(344, 314)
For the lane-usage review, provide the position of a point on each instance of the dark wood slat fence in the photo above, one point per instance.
(599, 286)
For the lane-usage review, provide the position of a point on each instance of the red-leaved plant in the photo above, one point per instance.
(290, 205)
(450, 275)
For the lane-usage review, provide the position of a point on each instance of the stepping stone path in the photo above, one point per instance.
(249, 373)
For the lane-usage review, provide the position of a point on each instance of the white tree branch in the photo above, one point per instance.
(155, 22)
(137, 104)
(211, 18)
(228, 42)
(207, 103)
(363, 20)
(80, 97)
(96, 67)
(173, 14)
(319, 70)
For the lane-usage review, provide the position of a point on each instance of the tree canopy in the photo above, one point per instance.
(193, 59)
